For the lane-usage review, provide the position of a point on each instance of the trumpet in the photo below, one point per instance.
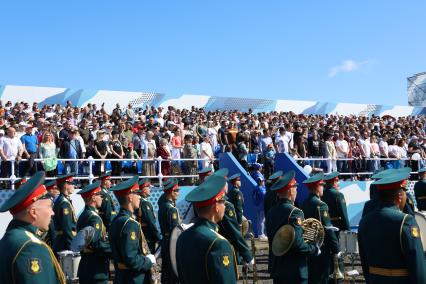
(337, 274)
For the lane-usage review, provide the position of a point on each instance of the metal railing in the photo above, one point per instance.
(91, 162)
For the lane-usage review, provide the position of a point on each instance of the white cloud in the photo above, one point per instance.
(346, 67)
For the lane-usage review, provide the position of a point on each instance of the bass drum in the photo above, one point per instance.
(69, 263)
(177, 231)
(421, 221)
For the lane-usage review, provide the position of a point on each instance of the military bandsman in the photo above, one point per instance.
(131, 261)
(235, 196)
(94, 263)
(420, 190)
(24, 257)
(289, 265)
(271, 195)
(203, 255)
(53, 191)
(389, 240)
(168, 217)
(336, 202)
(65, 218)
(146, 215)
(320, 266)
(107, 209)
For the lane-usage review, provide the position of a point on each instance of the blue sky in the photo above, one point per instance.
(338, 51)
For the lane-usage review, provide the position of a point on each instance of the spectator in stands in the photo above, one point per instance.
(342, 151)
(330, 153)
(11, 150)
(71, 149)
(150, 152)
(117, 152)
(100, 151)
(206, 152)
(163, 151)
(375, 154)
(30, 148)
(190, 152)
(48, 154)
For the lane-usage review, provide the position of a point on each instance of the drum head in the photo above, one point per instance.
(177, 231)
(421, 221)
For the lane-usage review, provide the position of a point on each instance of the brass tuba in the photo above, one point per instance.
(313, 231)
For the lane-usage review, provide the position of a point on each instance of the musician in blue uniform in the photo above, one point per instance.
(289, 267)
(131, 261)
(168, 217)
(24, 258)
(313, 207)
(65, 217)
(202, 254)
(389, 240)
(146, 216)
(94, 263)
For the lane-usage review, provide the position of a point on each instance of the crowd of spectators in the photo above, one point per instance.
(348, 143)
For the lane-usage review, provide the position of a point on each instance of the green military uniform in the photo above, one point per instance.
(50, 236)
(291, 266)
(235, 196)
(389, 241)
(65, 221)
(146, 217)
(336, 203)
(271, 195)
(94, 263)
(420, 192)
(24, 257)
(168, 217)
(107, 209)
(313, 207)
(374, 203)
(229, 228)
(202, 254)
(125, 236)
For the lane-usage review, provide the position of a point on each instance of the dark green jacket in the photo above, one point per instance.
(230, 229)
(107, 209)
(65, 224)
(25, 258)
(269, 200)
(336, 203)
(94, 263)
(320, 266)
(292, 267)
(204, 256)
(131, 265)
(235, 196)
(374, 203)
(389, 243)
(146, 217)
(420, 193)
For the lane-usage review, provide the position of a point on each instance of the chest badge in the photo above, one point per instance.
(225, 260)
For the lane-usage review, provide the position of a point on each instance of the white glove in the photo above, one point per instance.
(339, 254)
(152, 258)
(318, 250)
(250, 264)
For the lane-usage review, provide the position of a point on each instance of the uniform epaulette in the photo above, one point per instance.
(218, 235)
(33, 238)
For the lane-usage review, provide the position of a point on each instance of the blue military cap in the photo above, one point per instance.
(397, 180)
(170, 186)
(126, 187)
(331, 176)
(422, 170)
(223, 172)
(106, 175)
(382, 174)
(49, 184)
(285, 182)
(205, 171)
(314, 180)
(234, 177)
(275, 175)
(28, 193)
(209, 192)
(65, 178)
(90, 189)
(144, 183)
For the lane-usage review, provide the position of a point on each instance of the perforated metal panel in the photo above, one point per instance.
(146, 98)
(242, 104)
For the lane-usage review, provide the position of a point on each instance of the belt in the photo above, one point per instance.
(121, 265)
(335, 218)
(390, 272)
(421, 197)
